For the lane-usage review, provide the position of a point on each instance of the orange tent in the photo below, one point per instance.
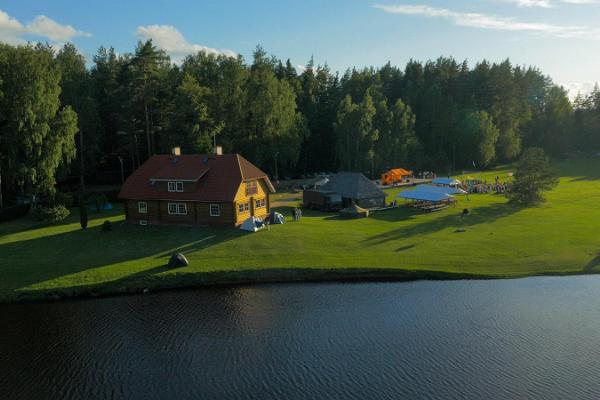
(394, 175)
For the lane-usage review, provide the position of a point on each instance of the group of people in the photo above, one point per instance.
(297, 214)
(485, 187)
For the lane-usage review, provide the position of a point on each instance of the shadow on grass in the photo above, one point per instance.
(481, 215)
(591, 266)
(43, 259)
(29, 223)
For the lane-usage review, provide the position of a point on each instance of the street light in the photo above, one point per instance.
(122, 173)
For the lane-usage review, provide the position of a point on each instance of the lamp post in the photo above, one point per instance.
(122, 173)
(276, 171)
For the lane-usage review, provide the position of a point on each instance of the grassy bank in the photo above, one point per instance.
(500, 240)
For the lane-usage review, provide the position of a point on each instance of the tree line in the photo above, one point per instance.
(61, 117)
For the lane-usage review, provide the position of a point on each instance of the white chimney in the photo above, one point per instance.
(176, 151)
(219, 150)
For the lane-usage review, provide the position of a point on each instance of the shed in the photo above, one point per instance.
(355, 188)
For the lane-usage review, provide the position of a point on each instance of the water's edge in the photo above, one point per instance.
(188, 281)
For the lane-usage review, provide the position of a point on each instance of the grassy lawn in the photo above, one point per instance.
(500, 240)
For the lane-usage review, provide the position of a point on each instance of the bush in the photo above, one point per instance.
(107, 226)
(52, 215)
(13, 212)
(64, 199)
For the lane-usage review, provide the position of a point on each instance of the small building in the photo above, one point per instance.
(348, 188)
(207, 189)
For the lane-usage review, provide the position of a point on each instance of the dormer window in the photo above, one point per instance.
(175, 186)
(251, 188)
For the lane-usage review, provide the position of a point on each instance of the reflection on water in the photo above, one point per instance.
(535, 338)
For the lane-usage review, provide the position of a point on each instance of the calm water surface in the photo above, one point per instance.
(536, 338)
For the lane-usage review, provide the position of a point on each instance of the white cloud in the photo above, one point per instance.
(300, 68)
(14, 32)
(549, 3)
(492, 22)
(168, 38)
(575, 88)
(46, 27)
(532, 3)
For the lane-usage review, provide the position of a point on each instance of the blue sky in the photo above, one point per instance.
(562, 37)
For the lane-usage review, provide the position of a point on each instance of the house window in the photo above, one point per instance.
(243, 207)
(215, 210)
(142, 207)
(177, 208)
(175, 186)
(251, 188)
(261, 203)
(143, 222)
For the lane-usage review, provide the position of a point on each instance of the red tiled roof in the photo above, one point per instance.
(220, 177)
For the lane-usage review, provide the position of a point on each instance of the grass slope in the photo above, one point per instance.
(501, 240)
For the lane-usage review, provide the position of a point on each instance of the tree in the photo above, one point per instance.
(76, 92)
(147, 68)
(274, 129)
(190, 125)
(83, 214)
(479, 137)
(36, 134)
(533, 176)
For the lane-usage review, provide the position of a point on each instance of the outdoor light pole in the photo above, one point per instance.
(122, 174)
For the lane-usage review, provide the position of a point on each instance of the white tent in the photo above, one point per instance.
(424, 195)
(252, 224)
(446, 181)
(440, 189)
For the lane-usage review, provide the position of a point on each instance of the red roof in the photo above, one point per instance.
(219, 177)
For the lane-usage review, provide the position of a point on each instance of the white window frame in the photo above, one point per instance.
(261, 203)
(174, 186)
(244, 207)
(143, 222)
(169, 205)
(142, 207)
(217, 207)
(179, 208)
(251, 188)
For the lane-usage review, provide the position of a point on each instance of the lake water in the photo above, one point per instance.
(535, 338)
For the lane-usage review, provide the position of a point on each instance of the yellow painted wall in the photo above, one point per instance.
(240, 197)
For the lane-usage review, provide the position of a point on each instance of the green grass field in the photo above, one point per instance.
(500, 240)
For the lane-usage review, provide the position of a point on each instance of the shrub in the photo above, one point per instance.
(107, 226)
(13, 212)
(52, 215)
(64, 199)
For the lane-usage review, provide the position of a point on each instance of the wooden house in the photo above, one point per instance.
(207, 189)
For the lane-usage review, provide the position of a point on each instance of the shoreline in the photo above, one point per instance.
(194, 281)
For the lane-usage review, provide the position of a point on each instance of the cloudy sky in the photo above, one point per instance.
(562, 37)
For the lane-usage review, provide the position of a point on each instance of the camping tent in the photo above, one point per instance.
(276, 218)
(354, 211)
(424, 195)
(446, 181)
(252, 224)
(440, 189)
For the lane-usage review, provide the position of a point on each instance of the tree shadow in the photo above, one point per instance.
(591, 266)
(481, 215)
(29, 262)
